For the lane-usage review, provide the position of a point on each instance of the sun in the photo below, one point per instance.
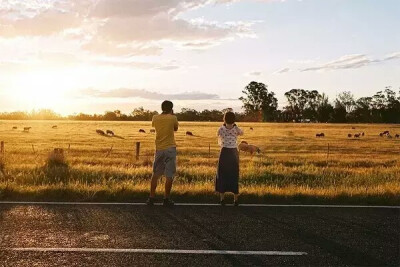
(40, 89)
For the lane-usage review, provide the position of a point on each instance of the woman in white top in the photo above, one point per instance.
(227, 179)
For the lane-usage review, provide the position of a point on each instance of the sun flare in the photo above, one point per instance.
(40, 89)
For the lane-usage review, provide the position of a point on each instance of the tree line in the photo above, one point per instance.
(260, 104)
(312, 106)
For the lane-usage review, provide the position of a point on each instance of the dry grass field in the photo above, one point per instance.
(294, 166)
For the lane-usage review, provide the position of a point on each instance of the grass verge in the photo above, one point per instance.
(197, 194)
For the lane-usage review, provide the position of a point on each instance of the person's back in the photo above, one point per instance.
(165, 125)
(165, 156)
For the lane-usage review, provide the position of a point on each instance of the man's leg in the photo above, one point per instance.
(153, 185)
(168, 186)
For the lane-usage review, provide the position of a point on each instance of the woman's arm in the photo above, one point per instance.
(239, 131)
(219, 132)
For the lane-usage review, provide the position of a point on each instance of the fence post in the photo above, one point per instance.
(209, 150)
(2, 147)
(137, 150)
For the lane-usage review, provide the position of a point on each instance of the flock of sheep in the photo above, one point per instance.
(107, 132)
(362, 134)
(243, 146)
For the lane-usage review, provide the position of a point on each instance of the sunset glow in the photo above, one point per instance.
(58, 54)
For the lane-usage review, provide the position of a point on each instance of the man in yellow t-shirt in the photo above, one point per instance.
(166, 124)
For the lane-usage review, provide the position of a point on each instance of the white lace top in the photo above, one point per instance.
(228, 137)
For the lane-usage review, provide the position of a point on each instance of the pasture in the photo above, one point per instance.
(294, 165)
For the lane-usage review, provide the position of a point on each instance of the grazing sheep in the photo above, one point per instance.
(15, 128)
(353, 128)
(26, 129)
(100, 132)
(54, 127)
(320, 135)
(397, 136)
(381, 134)
(386, 132)
(245, 147)
(251, 129)
(109, 132)
(254, 149)
(357, 135)
(362, 134)
(349, 135)
(142, 131)
(152, 131)
(189, 133)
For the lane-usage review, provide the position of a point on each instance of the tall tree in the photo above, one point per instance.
(303, 104)
(324, 109)
(346, 99)
(258, 100)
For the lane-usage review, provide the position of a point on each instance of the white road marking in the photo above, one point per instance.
(159, 251)
(190, 204)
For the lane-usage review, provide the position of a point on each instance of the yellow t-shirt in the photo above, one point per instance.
(165, 125)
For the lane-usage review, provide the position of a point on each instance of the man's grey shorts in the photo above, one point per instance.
(165, 162)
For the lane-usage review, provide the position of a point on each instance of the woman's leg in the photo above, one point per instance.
(221, 196)
(235, 197)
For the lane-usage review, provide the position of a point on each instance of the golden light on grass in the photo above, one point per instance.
(294, 165)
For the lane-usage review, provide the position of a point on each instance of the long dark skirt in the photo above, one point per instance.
(228, 171)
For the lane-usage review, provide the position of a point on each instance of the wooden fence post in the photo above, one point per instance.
(209, 150)
(2, 147)
(137, 150)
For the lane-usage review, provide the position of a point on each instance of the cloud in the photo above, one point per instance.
(395, 55)
(43, 24)
(283, 70)
(118, 27)
(120, 35)
(145, 94)
(254, 73)
(344, 62)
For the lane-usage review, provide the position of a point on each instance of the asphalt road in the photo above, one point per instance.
(329, 236)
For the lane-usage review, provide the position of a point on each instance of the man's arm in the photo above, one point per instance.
(176, 124)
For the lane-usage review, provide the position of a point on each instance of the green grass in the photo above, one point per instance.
(294, 167)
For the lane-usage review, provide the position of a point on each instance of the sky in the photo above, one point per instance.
(95, 55)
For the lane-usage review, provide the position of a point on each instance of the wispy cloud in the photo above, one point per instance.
(254, 73)
(395, 55)
(281, 71)
(145, 94)
(351, 62)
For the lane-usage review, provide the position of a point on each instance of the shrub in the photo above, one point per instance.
(56, 168)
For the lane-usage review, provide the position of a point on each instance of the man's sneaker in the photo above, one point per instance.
(236, 203)
(222, 202)
(150, 201)
(168, 203)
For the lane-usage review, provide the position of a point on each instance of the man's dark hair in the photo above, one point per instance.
(229, 117)
(167, 106)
